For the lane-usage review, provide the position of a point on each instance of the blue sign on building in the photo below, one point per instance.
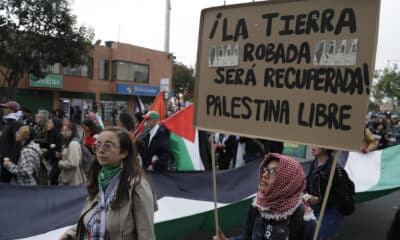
(134, 89)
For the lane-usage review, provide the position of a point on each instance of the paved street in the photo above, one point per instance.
(370, 221)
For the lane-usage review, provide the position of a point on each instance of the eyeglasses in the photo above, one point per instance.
(270, 171)
(107, 146)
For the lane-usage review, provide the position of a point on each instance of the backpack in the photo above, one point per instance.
(347, 204)
(40, 174)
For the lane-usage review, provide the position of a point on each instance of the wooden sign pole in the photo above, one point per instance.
(214, 174)
(327, 192)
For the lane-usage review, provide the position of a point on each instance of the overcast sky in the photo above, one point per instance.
(142, 23)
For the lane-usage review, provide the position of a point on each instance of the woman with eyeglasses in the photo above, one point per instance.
(121, 203)
(71, 172)
(278, 212)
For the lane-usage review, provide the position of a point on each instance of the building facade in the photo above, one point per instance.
(115, 75)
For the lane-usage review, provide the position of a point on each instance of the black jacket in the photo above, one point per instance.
(316, 184)
(7, 141)
(8, 145)
(293, 228)
(159, 146)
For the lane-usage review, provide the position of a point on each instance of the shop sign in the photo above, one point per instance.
(49, 81)
(134, 89)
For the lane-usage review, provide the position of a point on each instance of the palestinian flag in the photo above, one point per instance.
(139, 106)
(158, 105)
(374, 174)
(184, 140)
(185, 200)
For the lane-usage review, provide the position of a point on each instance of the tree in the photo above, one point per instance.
(183, 80)
(35, 34)
(388, 86)
(373, 106)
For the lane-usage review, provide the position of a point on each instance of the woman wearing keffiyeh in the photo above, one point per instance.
(278, 212)
(121, 202)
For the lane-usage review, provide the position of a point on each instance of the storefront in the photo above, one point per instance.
(35, 99)
(42, 96)
(146, 93)
(74, 104)
(111, 101)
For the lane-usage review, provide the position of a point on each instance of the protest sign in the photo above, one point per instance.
(298, 71)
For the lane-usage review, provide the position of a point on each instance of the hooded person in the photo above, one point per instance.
(279, 211)
(8, 144)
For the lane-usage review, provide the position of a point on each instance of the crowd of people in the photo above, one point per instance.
(30, 140)
(286, 206)
(381, 131)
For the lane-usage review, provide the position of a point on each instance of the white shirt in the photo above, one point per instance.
(153, 132)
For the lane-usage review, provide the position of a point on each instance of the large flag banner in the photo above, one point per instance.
(185, 200)
(139, 105)
(158, 105)
(376, 173)
(185, 204)
(184, 140)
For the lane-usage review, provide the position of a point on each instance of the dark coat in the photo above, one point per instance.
(318, 181)
(258, 148)
(8, 145)
(295, 228)
(159, 146)
(228, 152)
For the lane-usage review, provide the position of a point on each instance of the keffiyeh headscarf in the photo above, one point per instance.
(286, 192)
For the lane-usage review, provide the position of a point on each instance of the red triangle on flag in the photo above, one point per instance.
(158, 105)
(181, 123)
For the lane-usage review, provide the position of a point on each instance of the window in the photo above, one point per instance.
(125, 71)
(85, 70)
(55, 69)
(104, 69)
(110, 105)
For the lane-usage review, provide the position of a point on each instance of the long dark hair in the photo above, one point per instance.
(130, 168)
(74, 133)
(92, 126)
(127, 121)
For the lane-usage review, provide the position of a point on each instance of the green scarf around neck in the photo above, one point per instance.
(106, 174)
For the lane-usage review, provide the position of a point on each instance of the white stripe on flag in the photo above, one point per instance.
(169, 208)
(172, 208)
(194, 152)
(364, 169)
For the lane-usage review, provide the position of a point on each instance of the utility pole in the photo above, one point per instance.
(119, 32)
(167, 21)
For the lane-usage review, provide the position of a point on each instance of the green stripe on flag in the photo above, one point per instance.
(180, 153)
(390, 170)
(389, 180)
(230, 217)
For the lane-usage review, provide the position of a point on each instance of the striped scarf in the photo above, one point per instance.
(96, 226)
